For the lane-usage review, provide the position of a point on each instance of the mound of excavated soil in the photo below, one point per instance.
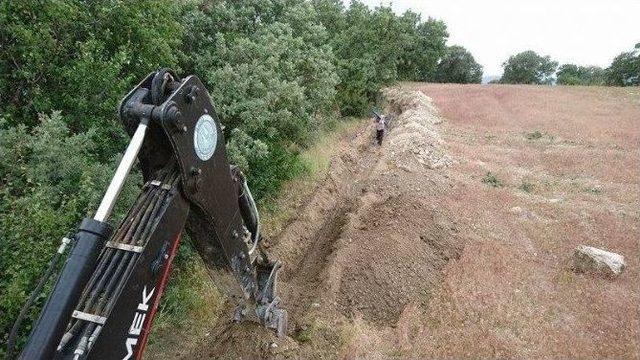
(416, 140)
(395, 243)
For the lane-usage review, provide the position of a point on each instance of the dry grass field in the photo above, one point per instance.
(539, 170)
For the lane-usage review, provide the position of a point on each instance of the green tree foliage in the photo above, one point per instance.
(279, 72)
(425, 47)
(80, 58)
(459, 66)
(625, 69)
(366, 50)
(529, 68)
(375, 47)
(273, 81)
(570, 74)
(49, 182)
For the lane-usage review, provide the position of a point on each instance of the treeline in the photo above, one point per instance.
(279, 71)
(528, 67)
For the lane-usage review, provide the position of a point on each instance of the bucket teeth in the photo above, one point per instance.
(266, 309)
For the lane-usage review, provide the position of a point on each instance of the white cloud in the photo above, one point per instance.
(585, 32)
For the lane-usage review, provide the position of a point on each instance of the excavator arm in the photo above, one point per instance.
(108, 291)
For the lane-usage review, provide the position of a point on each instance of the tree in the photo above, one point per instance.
(528, 68)
(458, 66)
(273, 81)
(367, 45)
(80, 58)
(570, 74)
(374, 48)
(625, 69)
(426, 46)
(331, 14)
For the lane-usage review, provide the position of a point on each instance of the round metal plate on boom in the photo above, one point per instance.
(205, 137)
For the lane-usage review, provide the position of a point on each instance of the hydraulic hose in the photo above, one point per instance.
(44, 278)
(254, 209)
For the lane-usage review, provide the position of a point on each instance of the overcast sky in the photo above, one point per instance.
(585, 32)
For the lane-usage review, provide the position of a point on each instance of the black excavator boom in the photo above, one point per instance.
(108, 291)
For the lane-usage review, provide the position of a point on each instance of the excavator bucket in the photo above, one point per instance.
(108, 291)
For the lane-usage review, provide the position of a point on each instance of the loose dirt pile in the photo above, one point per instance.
(370, 243)
(417, 140)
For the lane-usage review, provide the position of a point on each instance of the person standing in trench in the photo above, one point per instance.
(381, 125)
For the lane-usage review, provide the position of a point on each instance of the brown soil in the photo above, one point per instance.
(403, 252)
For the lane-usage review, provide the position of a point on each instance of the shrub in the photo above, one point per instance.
(273, 82)
(526, 187)
(49, 181)
(535, 135)
(492, 180)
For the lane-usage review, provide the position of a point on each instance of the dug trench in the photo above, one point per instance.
(364, 252)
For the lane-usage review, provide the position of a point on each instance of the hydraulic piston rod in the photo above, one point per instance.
(111, 195)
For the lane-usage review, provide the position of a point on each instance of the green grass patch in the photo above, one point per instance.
(278, 208)
(492, 179)
(190, 294)
(304, 335)
(490, 137)
(526, 187)
(594, 190)
(535, 135)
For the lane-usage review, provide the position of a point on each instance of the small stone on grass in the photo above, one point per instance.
(587, 259)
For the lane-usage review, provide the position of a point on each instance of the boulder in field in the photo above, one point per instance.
(597, 261)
